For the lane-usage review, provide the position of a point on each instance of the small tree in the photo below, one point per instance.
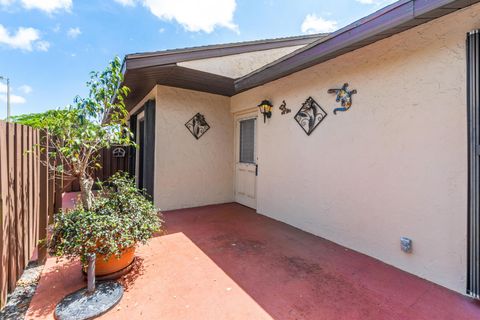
(79, 131)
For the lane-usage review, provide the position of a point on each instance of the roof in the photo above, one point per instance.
(143, 70)
(218, 50)
(395, 18)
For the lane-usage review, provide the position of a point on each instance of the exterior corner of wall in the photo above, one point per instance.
(191, 172)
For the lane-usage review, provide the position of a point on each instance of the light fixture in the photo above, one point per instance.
(266, 109)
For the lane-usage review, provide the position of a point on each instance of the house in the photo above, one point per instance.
(397, 161)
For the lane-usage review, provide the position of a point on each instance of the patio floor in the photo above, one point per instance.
(227, 262)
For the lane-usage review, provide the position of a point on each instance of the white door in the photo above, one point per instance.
(246, 162)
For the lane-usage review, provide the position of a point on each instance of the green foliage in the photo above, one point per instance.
(92, 123)
(120, 217)
(39, 120)
(79, 131)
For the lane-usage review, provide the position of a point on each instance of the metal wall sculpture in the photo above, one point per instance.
(118, 152)
(344, 96)
(283, 108)
(197, 125)
(310, 115)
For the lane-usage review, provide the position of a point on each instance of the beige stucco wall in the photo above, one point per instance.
(238, 65)
(192, 172)
(394, 165)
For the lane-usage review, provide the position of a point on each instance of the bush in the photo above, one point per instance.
(121, 216)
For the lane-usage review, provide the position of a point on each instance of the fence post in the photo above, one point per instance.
(58, 189)
(44, 197)
(4, 216)
(51, 189)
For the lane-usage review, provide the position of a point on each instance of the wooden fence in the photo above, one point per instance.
(26, 201)
(30, 194)
(111, 161)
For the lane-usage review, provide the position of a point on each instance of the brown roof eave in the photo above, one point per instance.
(393, 19)
(143, 60)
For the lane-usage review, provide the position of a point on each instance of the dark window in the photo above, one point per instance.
(247, 141)
(141, 152)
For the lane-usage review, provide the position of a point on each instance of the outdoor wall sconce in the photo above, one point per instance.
(266, 109)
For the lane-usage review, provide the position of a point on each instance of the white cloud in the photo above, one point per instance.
(14, 99)
(74, 32)
(6, 2)
(193, 15)
(26, 89)
(126, 2)
(314, 24)
(49, 6)
(25, 39)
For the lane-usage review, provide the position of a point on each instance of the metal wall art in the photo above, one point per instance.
(283, 108)
(118, 152)
(310, 115)
(344, 96)
(197, 125)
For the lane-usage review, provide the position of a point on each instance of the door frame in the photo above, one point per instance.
(138, 161)
(246, 115)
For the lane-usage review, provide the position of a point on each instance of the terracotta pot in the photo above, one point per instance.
(114, 264)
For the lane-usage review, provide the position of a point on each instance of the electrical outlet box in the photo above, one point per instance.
(406, 244)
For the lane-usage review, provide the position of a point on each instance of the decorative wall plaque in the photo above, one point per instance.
(344, 96)
(283, 108)
(118, 152)
(197, 125)
(310, 115)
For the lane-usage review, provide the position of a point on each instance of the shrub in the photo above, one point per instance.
(121, 216)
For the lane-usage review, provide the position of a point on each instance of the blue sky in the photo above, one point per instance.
(48, 47)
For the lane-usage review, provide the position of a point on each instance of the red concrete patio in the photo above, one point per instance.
(227, 262)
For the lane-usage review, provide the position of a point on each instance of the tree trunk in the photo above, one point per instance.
(86, 184)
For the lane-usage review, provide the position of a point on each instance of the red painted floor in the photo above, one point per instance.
(227, 262)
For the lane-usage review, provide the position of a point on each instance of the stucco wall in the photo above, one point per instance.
(192, 172)
(238, 65)
(394, 165)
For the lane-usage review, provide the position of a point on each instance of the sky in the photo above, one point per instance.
(49, 47)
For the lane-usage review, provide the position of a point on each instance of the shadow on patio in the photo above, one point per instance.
(227, 262)
(294, 275)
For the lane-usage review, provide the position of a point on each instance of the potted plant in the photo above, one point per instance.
(120, 218)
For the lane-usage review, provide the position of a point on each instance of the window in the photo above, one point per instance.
(247, 141)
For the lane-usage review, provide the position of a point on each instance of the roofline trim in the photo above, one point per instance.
(286, 40)
(146, 60)
(390, 20)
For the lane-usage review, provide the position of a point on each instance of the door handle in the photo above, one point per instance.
(256, 170)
